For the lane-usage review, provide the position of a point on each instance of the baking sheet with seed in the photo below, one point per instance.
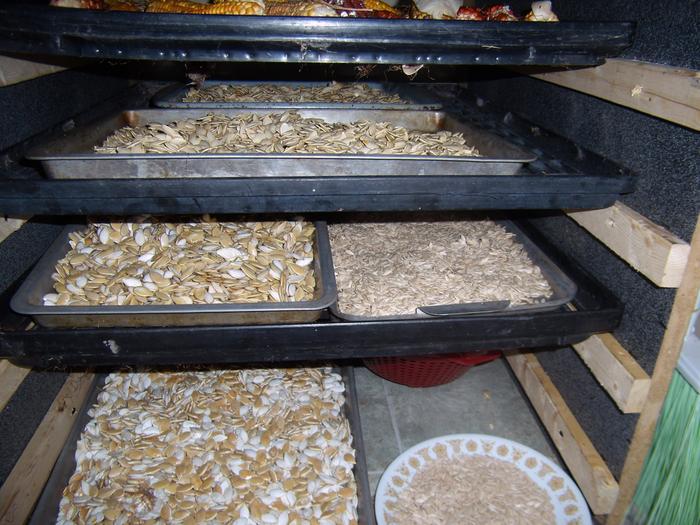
(334, 92)
(225, 446)
(204, 262)
(286, 132)
(392, 268)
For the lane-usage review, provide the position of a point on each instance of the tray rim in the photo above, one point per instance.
(20, 303)
(539, 258)
(42, 152)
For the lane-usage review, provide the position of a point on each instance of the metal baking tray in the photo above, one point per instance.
(47, 507)
(28, 299)
(70, 155)
(563, 291)
(171, 97)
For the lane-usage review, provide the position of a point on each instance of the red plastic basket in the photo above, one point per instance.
(426, 371)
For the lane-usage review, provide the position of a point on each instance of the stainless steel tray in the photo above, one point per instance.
(171, 97)
(28, 299)
(47, 507)
(70, 155)
(563, 291)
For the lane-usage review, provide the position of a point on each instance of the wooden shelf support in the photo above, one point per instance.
(11, 377)
(587, 466)
(10, 225)
(666, 92)
(23, 486)
(16, 70)
(671, 346)
(616, 370)
(650, 249)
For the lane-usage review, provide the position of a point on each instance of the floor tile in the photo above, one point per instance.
(484, 401)
(378, 433)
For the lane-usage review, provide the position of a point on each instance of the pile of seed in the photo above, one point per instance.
(393, 268)
(471, 490)
(286, 132)
(202, 262)
(239, 447)
(335, 92)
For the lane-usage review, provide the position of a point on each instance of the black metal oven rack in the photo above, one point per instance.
(26, 27)
(594, 309)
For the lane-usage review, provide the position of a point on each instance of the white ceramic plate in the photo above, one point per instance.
(569, 506)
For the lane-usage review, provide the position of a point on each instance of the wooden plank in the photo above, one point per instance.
(23, 486)
(11, 377)
(650, 249)
(16, 70)
(616, 370)
(666, 92)
(588, 468)
(9, 225)
(681, 314)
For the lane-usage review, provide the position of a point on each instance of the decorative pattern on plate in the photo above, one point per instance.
(569, 506)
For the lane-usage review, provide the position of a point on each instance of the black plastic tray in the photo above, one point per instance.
(563, 176)
(149, 36)
(594, 310)
(47, 507)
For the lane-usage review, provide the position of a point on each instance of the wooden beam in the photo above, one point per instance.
(588, 468)
(681, 314)
(616, 370)
(23, 486)
(9, 225)
(11, 377)
(666, 92)
(16, 70)
(650, 249)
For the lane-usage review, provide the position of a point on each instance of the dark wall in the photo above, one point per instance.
(28, 108)
(665, 159)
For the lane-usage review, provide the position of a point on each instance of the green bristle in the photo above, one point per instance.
(669, 489)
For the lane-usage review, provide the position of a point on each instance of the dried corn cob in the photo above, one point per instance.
(299, 9)
(378, 5)
(231, 7)
(117, 5)
(78, 4)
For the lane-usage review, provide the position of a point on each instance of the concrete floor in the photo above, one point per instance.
(483, 401)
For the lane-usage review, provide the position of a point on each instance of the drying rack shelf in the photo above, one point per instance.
(594, 309)
(563, 177)
(45, 30)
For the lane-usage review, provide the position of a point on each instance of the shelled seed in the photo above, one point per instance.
(286, 132)
(225, 446)
(202, 262)
(335, 92)
(393, 268)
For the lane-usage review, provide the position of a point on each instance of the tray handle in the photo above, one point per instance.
(458, 310)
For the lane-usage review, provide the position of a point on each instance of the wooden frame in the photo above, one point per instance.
(666, 92)
(616, 371)
(650, 249)
(16, 70)
(674, 95)
(681, 314)
(23, 486)
(588, 468)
